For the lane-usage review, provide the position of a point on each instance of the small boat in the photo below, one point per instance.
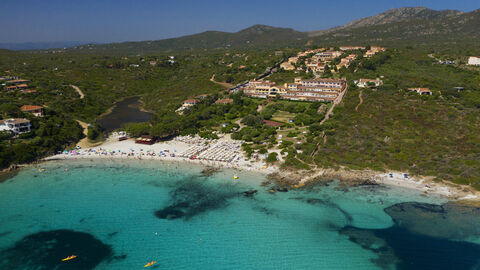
(150, 264)
(235, 177)
(69, 258)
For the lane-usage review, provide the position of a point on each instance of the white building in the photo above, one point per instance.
(363, 83)
(15, 125)
(474, 61)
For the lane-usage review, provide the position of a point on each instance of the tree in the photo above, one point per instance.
(272, 157)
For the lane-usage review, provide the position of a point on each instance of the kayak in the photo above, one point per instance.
(69, 258)
(235, 177)
(150, 264)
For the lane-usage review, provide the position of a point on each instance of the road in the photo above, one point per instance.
(78, 91)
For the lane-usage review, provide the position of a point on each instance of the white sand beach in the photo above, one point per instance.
(227, 153)
(221, 153)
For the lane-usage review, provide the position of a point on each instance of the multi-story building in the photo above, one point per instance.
(351, 48)
(327, 56)
(347, 61)
(15, 125)
(300, 89)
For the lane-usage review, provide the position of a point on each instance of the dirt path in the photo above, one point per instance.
(361, 100)
(85, 142)
(334, 103)
(224, 84)
(78, 91)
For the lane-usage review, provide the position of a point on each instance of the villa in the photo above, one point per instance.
(363, 83)
(421, 91)
(474, 61)
(33, 109)
(15, 125)
(190, 102)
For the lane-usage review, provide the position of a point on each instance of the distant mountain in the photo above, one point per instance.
(257, 36)
(393, 16)
(427, 27)
(40, 45)
(395, 27)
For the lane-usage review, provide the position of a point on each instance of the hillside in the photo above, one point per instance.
(257, 36)
(392, 16)
(446, 27)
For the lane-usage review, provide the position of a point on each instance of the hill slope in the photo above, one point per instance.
(393, 16)
(440, 29)
(253, 37)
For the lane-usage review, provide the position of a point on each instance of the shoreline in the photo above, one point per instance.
(113, 149)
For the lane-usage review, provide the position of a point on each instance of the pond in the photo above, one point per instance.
(125, 111)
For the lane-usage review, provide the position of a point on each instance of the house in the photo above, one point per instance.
(33, 109)
(422, 91)
(278, 53)
(224, 101)
(153, 63)
(190, 102)
(363, 83)
(474, 61)
(15, 125)
(16, 87)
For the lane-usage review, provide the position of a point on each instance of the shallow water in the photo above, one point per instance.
(123, 214)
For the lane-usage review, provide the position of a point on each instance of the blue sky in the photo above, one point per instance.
(129, 20)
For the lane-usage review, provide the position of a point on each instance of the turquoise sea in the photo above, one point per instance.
(123, 214)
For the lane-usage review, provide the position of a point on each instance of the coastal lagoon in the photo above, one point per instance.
(121, 214)
(124, 112)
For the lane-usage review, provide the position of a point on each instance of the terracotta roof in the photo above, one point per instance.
(191, 100)
(28, 108)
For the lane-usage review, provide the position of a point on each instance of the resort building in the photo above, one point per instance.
(17, 81)
(474, 61)
(15, 125)
(33, 109)
(224, 101)
(373, 51)
(327, 56)
(351, 48)
(16, 87)
(347, 61)
(302, 90)
(363, 83)
(421, 91)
